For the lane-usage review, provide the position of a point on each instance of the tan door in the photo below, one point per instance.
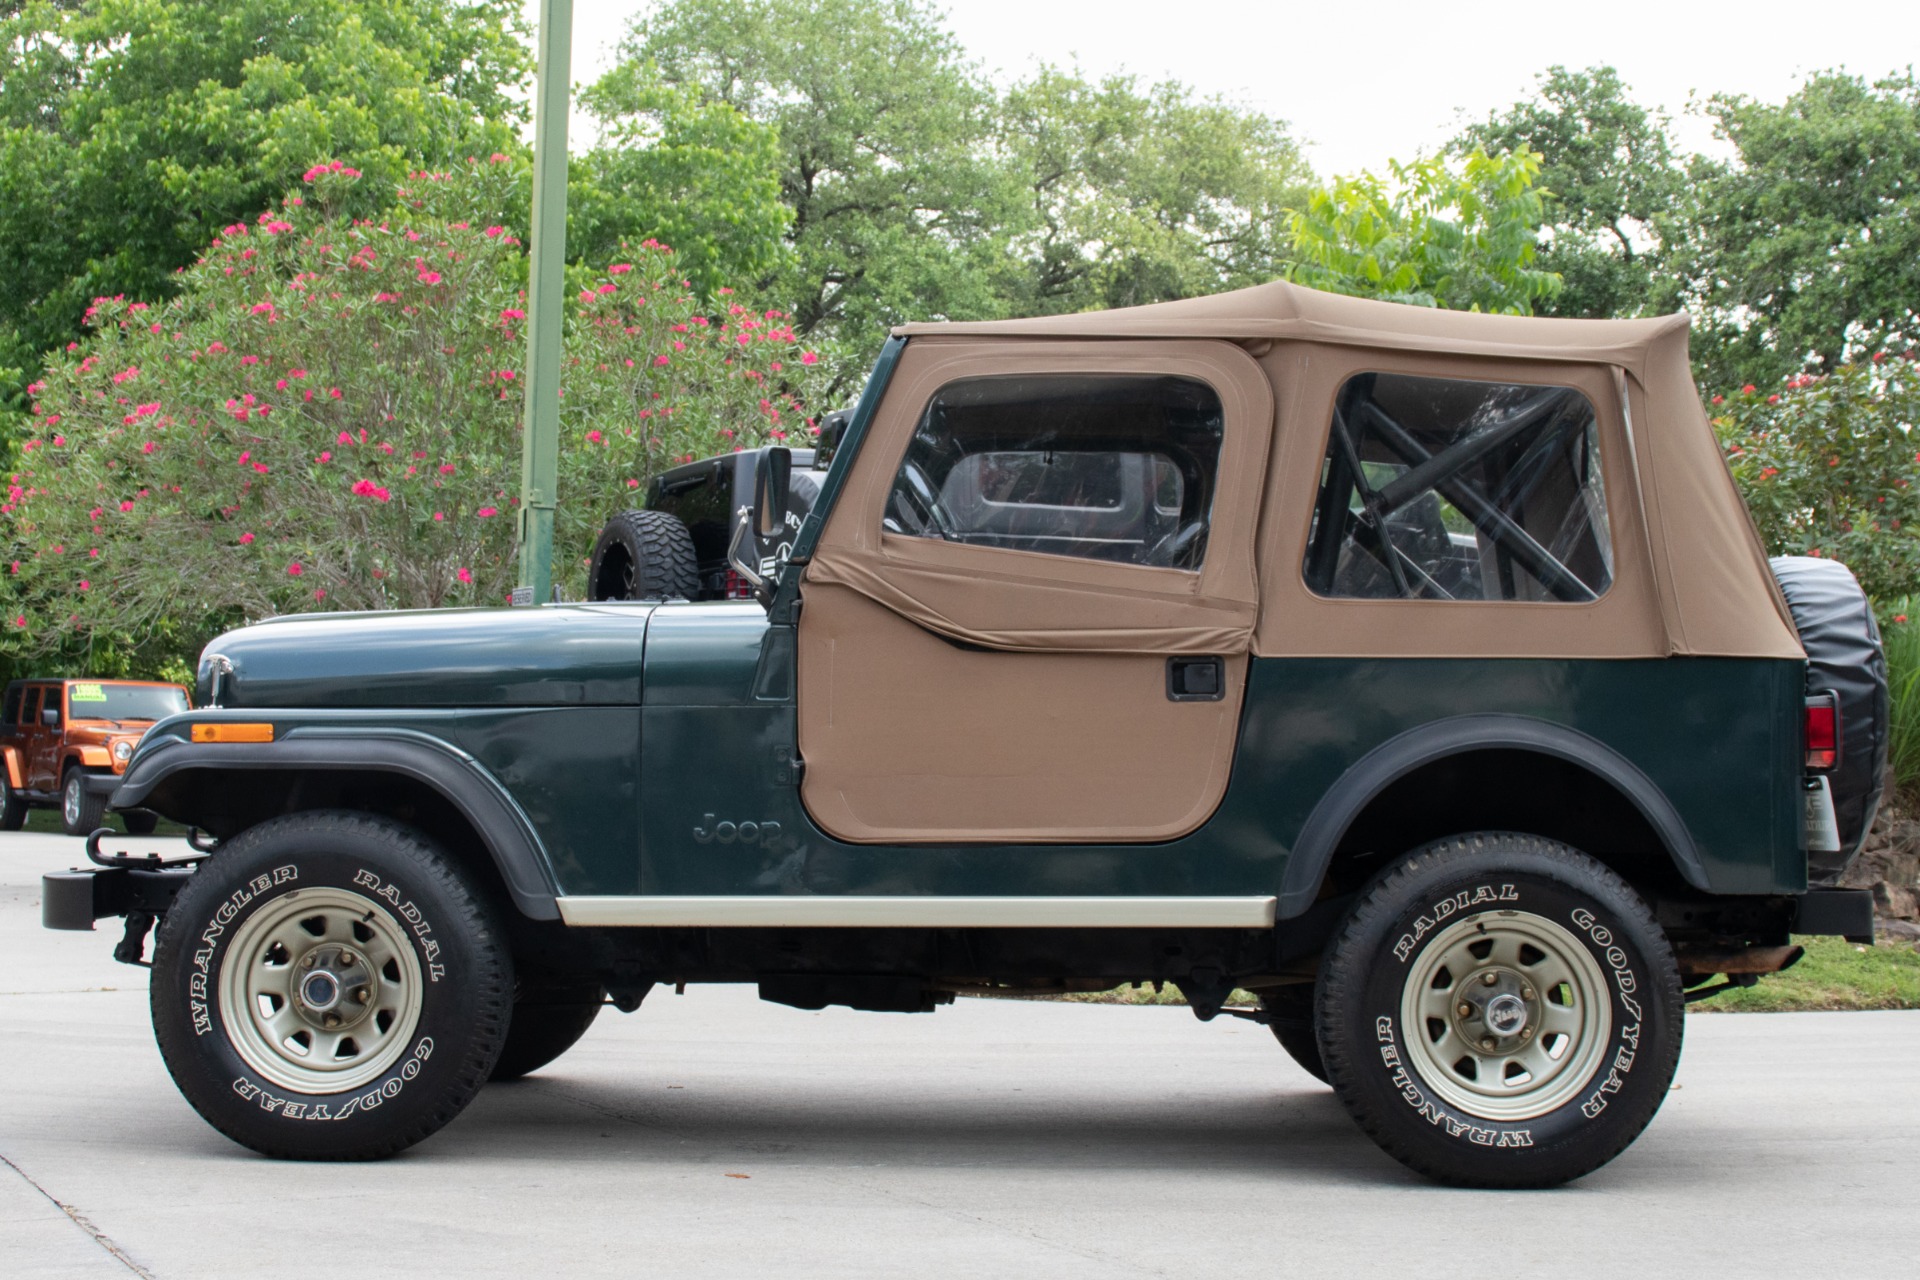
(1028, 616)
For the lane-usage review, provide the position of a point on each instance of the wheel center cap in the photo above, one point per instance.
(320, 991)
(1505, 1014)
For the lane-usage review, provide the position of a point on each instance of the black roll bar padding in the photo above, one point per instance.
(1489, 519)
(1452, 460)
(1374, 523)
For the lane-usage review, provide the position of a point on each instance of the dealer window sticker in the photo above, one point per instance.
(86, 693)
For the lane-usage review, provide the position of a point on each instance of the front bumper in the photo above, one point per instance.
(75, 899)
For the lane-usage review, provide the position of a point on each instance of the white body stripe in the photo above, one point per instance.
(799, 911)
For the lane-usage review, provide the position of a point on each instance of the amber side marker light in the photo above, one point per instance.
(1823, 733)
(225, 732)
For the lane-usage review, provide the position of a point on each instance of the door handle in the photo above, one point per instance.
(1196, 679)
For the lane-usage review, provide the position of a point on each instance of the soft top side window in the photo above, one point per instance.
(1458, 489)
(11, 713)
(1118, 467)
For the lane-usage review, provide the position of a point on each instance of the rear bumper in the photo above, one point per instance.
(1847, 913)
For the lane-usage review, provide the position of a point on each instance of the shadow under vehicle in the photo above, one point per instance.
(1417, 671)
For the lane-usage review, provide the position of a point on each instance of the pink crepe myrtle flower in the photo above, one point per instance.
(446, 468)
(809, 357)
(619, 268)
(465, 574)
(513, 313)
(84, 584)
(594, 436)
(326, 455)
(429, 277)
(320, 593)
(485, 512)
(438, 516)
(245, 539)
(294, 570)
(126, 506)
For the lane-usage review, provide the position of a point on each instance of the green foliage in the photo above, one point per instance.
(1829, 467)
(1900, 636)
(1434, 236)
(131, 129)
(1141, 195)
(698, 175)
(879, 123)
(327, 416)
(1616, 189)
(1809, 244)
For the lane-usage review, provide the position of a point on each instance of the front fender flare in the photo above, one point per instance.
(503, 826)
(1398, 756)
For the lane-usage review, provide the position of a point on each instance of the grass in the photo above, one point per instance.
(1834, 974)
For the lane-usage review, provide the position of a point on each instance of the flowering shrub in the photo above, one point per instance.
(328, 416)
(1830, 466)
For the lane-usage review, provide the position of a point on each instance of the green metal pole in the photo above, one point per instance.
(540, 435)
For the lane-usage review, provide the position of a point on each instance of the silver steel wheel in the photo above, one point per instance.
(71, 797)
(320, 991)
(1506, 1015)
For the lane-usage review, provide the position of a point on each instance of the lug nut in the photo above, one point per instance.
(1489, 978)
(360, 994)
(306, 961)
(1526, 993)
(1466, 1011)
(1486, 1042)
(346, 960)
(333, 1020)
(1527, 1034)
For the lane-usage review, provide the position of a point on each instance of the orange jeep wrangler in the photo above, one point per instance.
(65, 743)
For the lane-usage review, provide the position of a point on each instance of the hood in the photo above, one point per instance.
(556, 655)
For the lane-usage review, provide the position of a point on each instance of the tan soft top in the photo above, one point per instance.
(1701, 585)
(1282, 311)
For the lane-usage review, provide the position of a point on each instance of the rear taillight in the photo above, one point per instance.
(1823, 733)
(737, 587)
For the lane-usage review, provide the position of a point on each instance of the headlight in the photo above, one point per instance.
(122, 750)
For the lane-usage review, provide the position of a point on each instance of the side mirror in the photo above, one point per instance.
(50, 717)
(771, 481)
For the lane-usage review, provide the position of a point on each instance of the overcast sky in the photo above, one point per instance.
(1362, 82)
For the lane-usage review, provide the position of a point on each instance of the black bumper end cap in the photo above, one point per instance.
(1847, 913)
(66, 900)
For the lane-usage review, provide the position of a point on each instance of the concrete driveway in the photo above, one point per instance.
(712, 1135)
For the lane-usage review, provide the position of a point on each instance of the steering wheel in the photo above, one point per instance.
(1174, 550)
(914, 486)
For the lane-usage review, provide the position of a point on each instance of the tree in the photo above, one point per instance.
(1433, 237)
(327, 415)
(1616, 190)
(131, 129)
(1828, 468)
(881, 124)
(1808, 245)
(696, 174)
(1142, 195)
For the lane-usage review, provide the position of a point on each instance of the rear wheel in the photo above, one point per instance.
(547, 1021)
(643, 555)
(1500, 1011)
(81, 811)
(327, 987)
(13, 810)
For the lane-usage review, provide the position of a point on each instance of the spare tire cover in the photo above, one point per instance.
(1844, 657)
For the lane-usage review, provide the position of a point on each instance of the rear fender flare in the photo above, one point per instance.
(1393, 759)
(503, 827)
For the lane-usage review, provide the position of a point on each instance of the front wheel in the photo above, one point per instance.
(81, 811)
(1500, 1010)
(327, 987)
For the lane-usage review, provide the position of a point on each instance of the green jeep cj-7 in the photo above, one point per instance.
(1418, 672)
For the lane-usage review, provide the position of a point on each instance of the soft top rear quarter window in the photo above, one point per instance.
(1460, 489)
